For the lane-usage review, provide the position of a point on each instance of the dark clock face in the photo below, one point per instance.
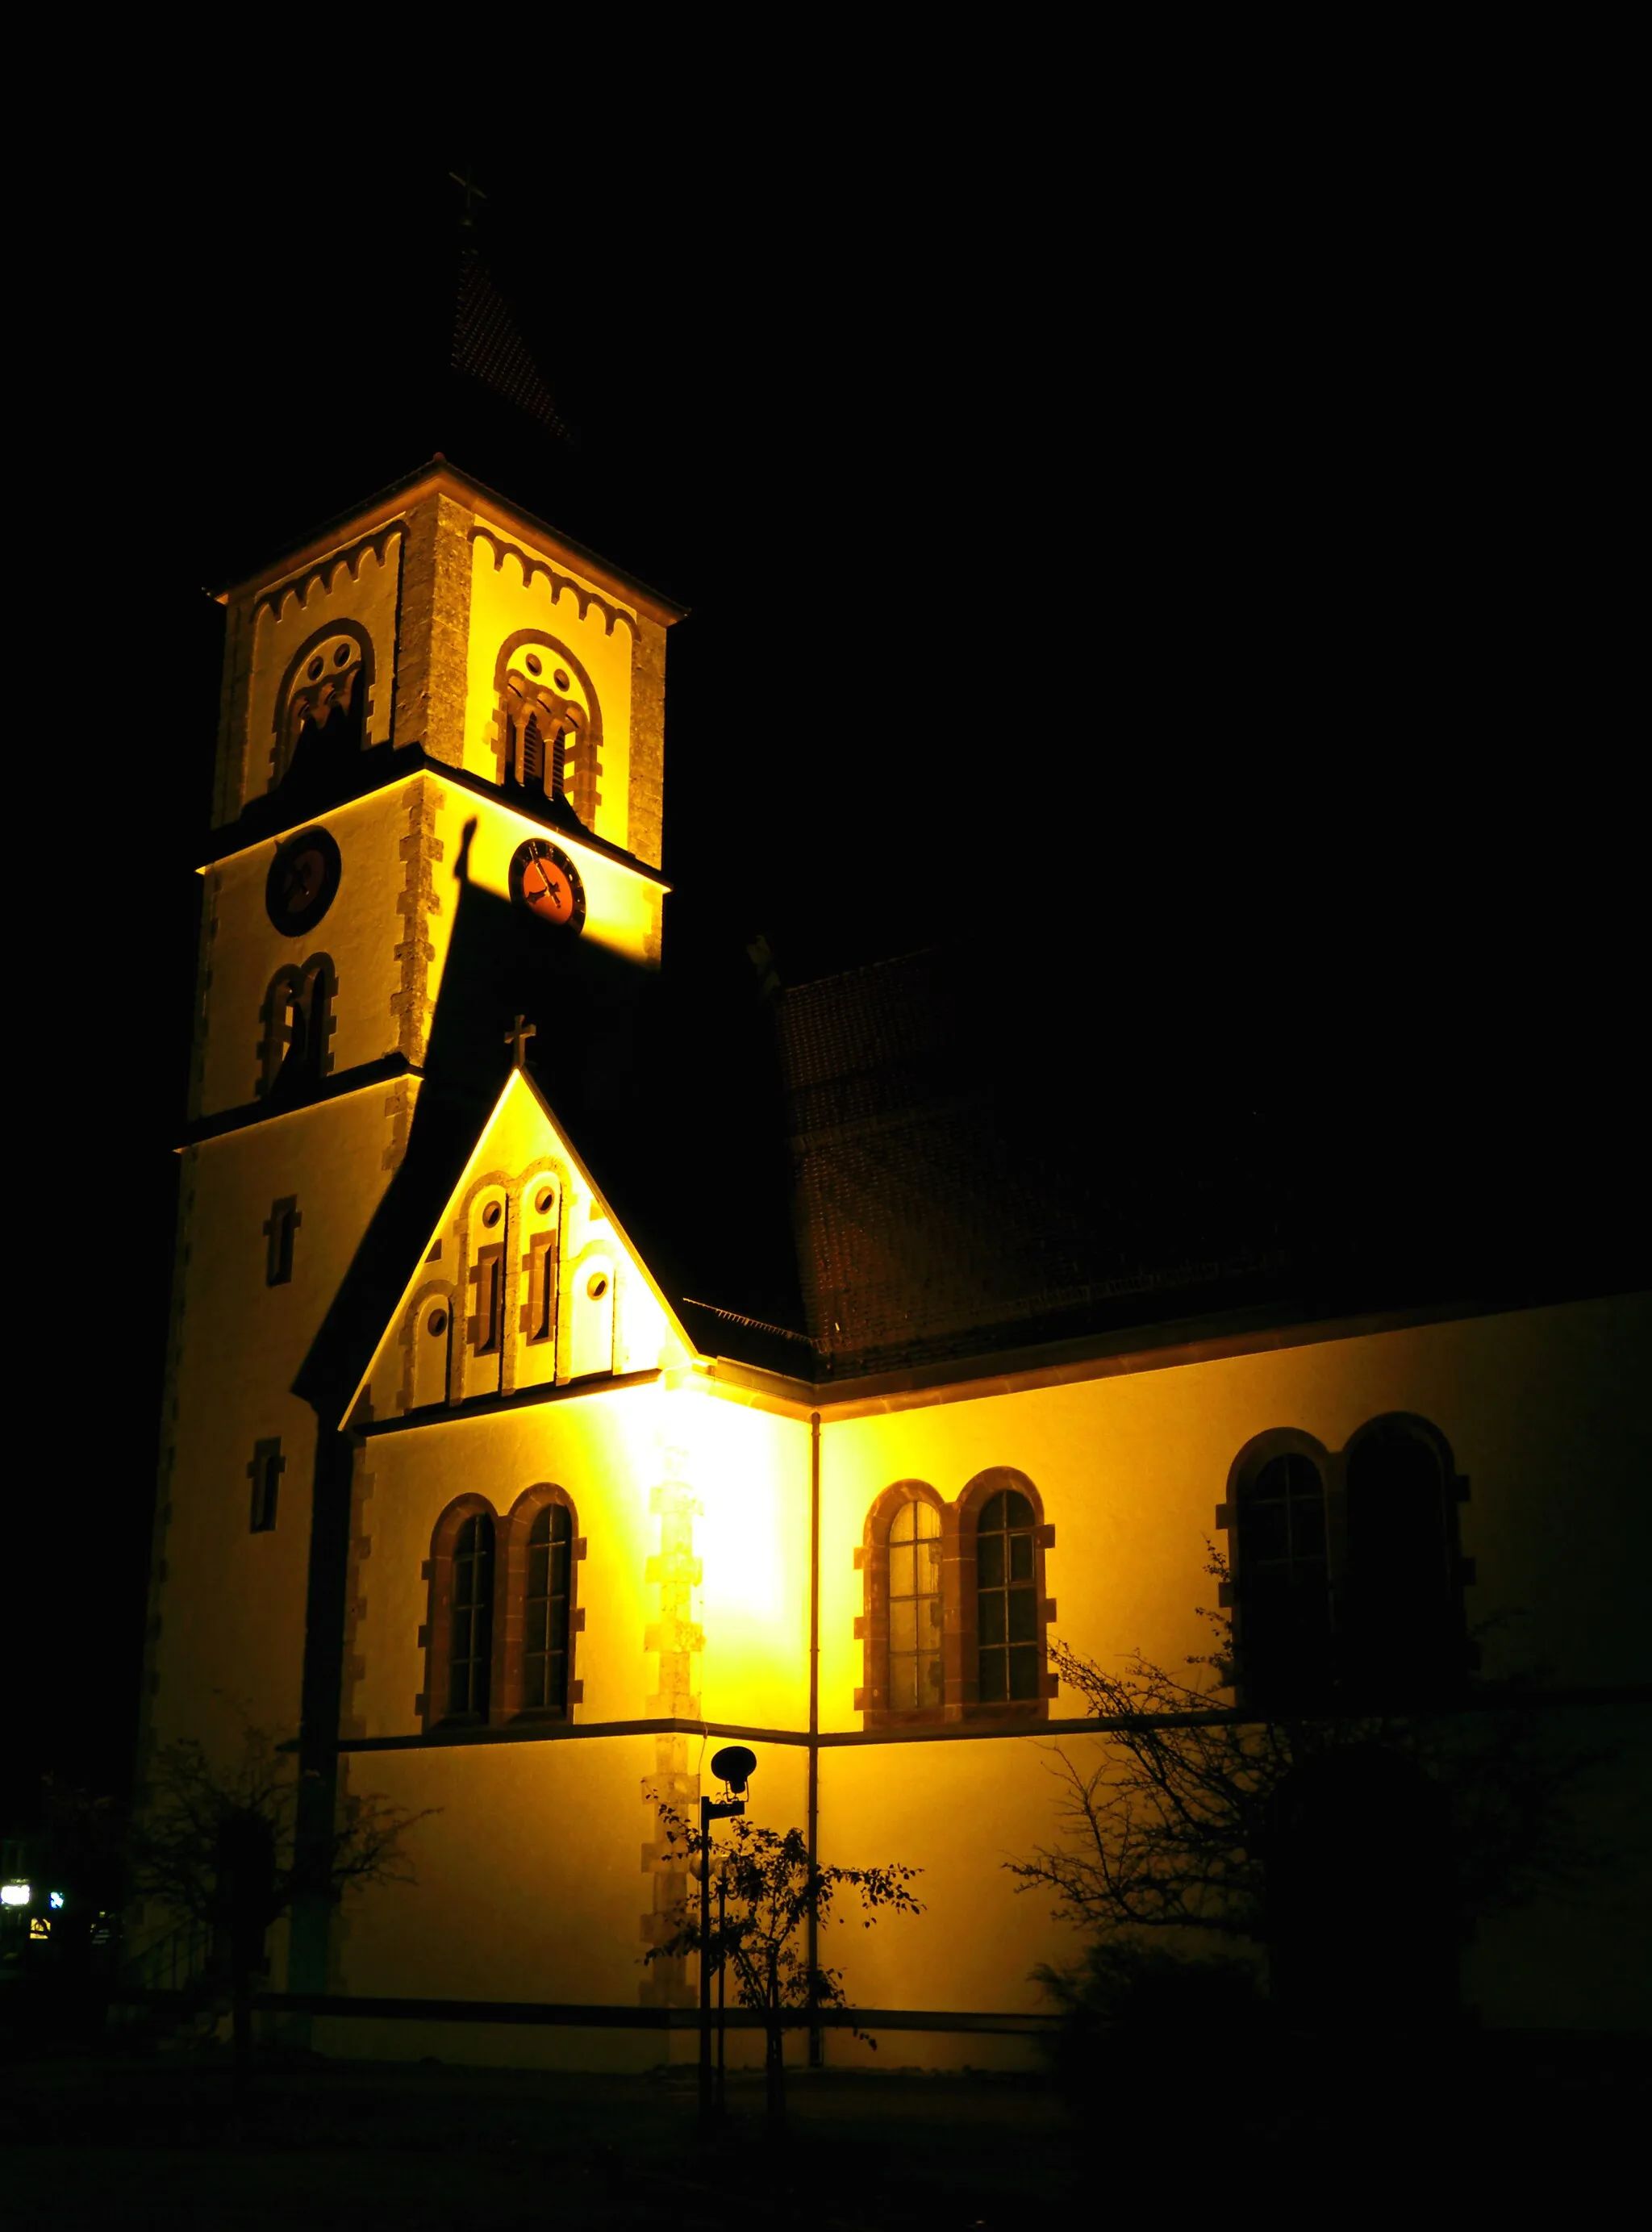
(303, 877)
(545, 882)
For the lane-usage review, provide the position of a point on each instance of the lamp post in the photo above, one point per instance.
(734, 1768)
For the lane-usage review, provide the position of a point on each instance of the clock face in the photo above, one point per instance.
(545, 882)
(303, 877)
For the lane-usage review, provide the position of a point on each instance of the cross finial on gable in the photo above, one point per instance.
(472, 192)
(516, 1039)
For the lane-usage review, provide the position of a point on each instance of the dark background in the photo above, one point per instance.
(1306, 775)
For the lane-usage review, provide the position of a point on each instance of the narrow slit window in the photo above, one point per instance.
(264, 1472)
(281, 1231)
(544, 1300)
(532, 753)
(490, 1280)
(1006, 1600)
(545, 1627)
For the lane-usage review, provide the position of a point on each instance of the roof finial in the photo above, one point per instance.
(472, 192)
(516, 1039)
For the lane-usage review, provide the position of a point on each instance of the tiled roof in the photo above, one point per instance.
(951, 1198)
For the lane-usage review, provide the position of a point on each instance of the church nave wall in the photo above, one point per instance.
(1132, 1468)
(693, 1589)
(601, 1450)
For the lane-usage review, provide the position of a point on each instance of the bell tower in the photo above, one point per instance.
(436, 805)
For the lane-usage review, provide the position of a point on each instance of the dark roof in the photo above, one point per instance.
(461, 370)
(665, 1084)
(488, 344)
(954, 1194)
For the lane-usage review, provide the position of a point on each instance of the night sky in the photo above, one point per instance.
(1303, 766)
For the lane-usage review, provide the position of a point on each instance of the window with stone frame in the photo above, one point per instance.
(916, 1678)
(549, 724)
(955, 1620)
(1283, 1562)
(902, 1626)
(486, 1327)
(539, 1619)
(321, 708)
(1404, 1630)
(281, 1231)
(547, 1595)
(470, 1649)
(294, 1053)
(458, 1635)
(1346, 1577)
(264, 1472)
(1007, 1603)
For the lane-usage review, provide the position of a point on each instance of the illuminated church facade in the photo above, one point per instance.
(459, 1482)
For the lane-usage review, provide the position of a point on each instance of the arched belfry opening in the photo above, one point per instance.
(322, 708)
(549, 724)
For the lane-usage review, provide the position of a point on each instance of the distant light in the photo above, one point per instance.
(16, 1894)
(56, 1898)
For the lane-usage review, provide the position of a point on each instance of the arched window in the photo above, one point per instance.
(470, 1650)
(1405, 1621)
(537, 1593)
(545, 1610)
(458, 1637)
(1007, 1604)
(904, 1626)
(294, 1052)
(956, 1621)
(549, 724)
(535, 1228)
(1004, 1614)
(321, 709)
(282, 1018)
(1282, 1572)
(590, 1334)
(488, 1239)
(428, 1336)
(915, 1668)
(1346, 1582)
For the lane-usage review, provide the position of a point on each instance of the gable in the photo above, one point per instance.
(526, 1281)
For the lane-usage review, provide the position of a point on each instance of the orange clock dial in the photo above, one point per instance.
(545, 882)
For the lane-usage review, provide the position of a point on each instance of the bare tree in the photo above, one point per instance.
(1174, 1820)
(767, 1889)
(220, 1846)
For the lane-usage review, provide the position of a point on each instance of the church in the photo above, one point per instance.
(472, 1490)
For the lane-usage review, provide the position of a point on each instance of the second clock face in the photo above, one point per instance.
(303, 876)
(545, 882)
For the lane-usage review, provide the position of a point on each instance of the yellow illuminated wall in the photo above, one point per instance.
(541, 1873)
(623, 908)
(609, 1319)
(1130, 1464)
(359, 583)
(439, 587)
(519, 591)
(228, 1625)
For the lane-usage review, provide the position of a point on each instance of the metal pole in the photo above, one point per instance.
(817, 2048)
(705, 1966)
(722, 1964)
